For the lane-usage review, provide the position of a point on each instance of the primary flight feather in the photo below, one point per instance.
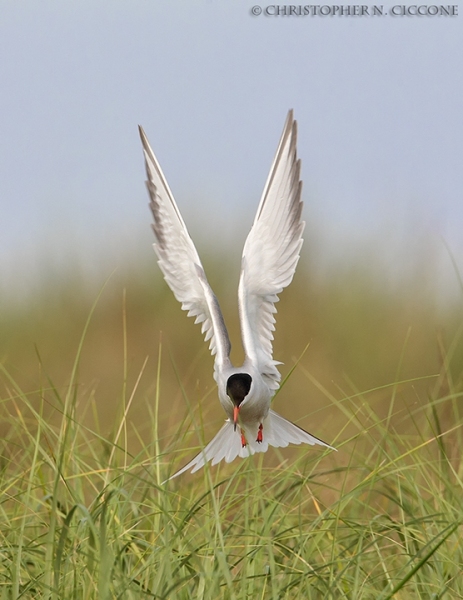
(269, 260)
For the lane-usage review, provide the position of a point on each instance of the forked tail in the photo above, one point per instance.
(226, 445)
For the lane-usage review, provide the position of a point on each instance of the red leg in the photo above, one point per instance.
(243, 440)
(260, 435)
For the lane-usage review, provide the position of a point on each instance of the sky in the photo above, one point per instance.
(378, 102)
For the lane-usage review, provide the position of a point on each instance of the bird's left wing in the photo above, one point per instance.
(180, 263)
(270, 254)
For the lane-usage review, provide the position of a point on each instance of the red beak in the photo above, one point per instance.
(236, 410)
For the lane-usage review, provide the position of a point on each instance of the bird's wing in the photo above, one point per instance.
(270, 254)
(180, 263)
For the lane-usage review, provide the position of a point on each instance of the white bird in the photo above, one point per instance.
(269, 260)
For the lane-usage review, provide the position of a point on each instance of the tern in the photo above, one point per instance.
(269, 260)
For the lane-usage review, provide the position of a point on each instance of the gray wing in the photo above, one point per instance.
(271, 253)
(180, 263)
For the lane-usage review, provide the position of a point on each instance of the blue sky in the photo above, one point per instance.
(378, 102)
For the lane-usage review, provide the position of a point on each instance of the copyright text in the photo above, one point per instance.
(355, 10)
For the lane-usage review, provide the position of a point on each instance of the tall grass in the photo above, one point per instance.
(84, 514)
(82, 517)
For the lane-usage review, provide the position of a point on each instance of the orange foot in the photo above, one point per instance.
(260, 436)
(243, 440)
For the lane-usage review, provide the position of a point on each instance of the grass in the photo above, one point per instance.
(84, 515)
(84, 518)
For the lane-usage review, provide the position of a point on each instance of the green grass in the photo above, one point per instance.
(83, 517)
(90, 427)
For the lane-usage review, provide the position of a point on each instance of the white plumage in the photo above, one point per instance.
(269, 260)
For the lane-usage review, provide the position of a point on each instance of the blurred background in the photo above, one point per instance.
(377, 296)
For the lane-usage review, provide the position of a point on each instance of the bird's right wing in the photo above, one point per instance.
(180, 263)
(271, 253)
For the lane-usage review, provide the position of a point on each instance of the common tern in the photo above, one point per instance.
(269, 260)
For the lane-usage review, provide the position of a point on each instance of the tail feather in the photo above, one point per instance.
(280, 432)
(226, 445)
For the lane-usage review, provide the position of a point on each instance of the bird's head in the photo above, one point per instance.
(238, 386)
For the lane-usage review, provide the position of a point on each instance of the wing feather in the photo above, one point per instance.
(271, 253)
(180, 263)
